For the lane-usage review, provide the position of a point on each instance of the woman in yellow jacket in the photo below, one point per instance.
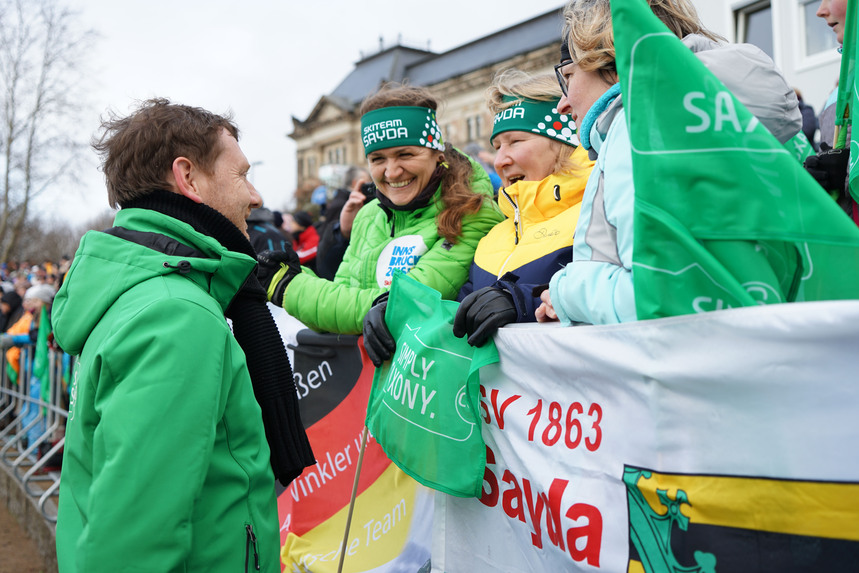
(544, 173)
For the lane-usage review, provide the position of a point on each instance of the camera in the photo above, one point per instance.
(369, 191)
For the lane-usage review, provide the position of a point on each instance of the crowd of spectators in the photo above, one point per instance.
(28, 290)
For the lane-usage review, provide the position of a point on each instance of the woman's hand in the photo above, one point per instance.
(546, 312)
(351, 207)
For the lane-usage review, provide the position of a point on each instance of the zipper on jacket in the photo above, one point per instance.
(515, 216)
(251, 541)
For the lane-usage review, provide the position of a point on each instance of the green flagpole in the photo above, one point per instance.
(846, 78)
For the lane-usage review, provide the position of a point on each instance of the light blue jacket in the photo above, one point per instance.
(596, 288)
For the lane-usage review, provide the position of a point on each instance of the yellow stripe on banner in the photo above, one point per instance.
(381, 522)
(817, 509)
(635, 567)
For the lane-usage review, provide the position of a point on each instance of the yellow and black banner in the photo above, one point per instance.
(711, 523)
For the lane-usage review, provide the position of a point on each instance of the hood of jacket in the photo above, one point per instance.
(106, 266)
(754, 79)
(602, 119)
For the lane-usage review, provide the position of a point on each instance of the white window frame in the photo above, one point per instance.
(804, 60)
(741, 21)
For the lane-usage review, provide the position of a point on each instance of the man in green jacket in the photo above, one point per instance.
(167, 465)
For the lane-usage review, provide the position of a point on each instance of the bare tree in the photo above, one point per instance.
(42, 48)
(41, 240)
(48, 239)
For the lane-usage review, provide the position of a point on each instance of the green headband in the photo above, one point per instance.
(539, 117)
(400, 125)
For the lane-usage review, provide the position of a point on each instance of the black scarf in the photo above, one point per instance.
(254, 329)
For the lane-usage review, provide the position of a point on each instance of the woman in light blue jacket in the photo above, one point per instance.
(597, 287)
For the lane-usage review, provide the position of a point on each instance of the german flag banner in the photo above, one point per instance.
(714, 442)
(392, 518)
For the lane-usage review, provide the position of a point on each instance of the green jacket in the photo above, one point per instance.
(166, 465)
(382, 241)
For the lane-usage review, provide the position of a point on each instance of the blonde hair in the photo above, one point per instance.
(588, 30)
(522, 85)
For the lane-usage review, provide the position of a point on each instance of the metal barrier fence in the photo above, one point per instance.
(33, 416)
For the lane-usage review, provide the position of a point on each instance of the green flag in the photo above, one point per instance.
(40, 364)
(41, 370)
(424, 405)
(724, 215)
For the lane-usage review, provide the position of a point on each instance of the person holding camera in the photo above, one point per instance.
(432, 207)
(340, 213)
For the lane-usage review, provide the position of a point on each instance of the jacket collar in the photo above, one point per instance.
(593, 114)
(541, 200)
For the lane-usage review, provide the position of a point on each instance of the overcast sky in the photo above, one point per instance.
(264, 60)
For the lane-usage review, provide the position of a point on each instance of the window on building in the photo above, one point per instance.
(311, 167)
(336, 155)
(818, 36)
(474, 124)
(755, 26)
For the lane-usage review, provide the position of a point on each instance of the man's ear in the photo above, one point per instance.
(184, 179)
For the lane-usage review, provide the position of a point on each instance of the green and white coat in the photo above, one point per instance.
(166, 465)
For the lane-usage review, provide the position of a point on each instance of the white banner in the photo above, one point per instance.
(748, 419)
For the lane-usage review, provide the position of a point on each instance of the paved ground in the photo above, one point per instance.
(17, 553)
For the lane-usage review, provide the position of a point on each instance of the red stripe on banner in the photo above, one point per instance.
(324, 489)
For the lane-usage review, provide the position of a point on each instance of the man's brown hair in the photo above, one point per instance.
(137, 151)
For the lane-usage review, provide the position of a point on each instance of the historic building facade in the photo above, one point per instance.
(800, 43)
(459, 77)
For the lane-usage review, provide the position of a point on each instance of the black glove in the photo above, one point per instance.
(482, 313)
(829, 167)
(378, 342)
(271, 263)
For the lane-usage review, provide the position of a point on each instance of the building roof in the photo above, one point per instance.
(538, 32)
(386, 66)
(423, 68)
